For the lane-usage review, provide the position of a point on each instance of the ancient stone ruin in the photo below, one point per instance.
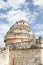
(21, 47)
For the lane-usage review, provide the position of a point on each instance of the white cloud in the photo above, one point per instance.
(3, 15)
(33, 17)
(38, 2)
(11, 3)
(14, 16)
(39, 33)
(15, 3)
(3, 5)
(39, 30)
(38, 26)
(3, 29)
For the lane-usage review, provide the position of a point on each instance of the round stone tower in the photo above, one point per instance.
(19, 32)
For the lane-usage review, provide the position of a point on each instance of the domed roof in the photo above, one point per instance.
(20, 29)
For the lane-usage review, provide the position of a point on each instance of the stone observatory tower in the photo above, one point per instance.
(19, 32)
(22, 49)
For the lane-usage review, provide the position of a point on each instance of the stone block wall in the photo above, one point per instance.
(25, 57)
(4, 57)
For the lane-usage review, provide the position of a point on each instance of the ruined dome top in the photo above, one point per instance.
(20, 29)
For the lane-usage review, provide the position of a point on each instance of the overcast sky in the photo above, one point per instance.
(15, 10)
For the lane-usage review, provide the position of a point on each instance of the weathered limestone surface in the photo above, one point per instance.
(21, 45)
(21, 57)
(4, 57)
(25, 57)
(20, 31)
